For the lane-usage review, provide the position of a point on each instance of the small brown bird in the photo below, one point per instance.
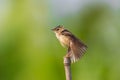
(76, 48)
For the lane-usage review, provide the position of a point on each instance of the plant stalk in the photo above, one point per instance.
(67, 66)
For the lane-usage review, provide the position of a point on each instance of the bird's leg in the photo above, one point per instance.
(68, 52)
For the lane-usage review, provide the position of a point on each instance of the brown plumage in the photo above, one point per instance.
(76, 48)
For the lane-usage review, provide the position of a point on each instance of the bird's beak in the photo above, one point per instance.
(53, 29)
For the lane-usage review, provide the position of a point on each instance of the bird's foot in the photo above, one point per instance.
(67, 55)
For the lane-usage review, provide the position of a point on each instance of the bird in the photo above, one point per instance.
(75, 47)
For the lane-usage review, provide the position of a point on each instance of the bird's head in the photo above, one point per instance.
(58, 29)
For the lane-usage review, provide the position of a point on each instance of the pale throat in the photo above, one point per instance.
(63, 40)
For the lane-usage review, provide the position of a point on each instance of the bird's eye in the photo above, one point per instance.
(57, 29)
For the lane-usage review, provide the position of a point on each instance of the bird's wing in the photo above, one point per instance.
(77, 49)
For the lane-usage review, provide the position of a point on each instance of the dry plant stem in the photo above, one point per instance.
(67, 64)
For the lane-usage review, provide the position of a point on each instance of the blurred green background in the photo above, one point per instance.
(29, 50)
